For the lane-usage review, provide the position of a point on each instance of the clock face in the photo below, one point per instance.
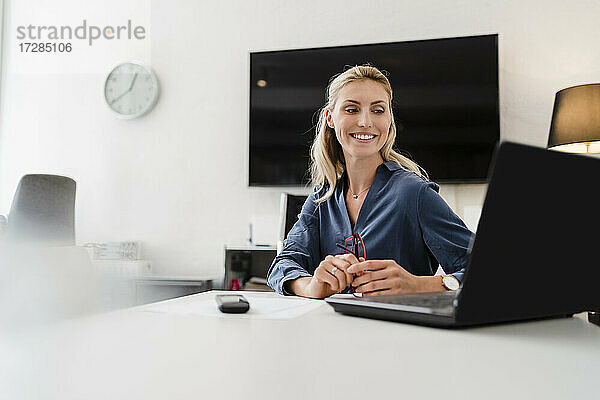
(131, 90)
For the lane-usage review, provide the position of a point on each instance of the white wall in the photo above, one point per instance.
(176, 179)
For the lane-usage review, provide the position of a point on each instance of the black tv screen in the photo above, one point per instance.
(445, 105)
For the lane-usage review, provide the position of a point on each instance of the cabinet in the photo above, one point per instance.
(249, 265)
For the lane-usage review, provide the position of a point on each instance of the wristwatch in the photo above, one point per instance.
(450, 282)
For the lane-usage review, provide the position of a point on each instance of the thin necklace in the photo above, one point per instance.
(355, 196)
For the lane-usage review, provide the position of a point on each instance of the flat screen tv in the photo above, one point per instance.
(445, 105)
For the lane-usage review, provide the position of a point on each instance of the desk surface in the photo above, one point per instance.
(137, 354)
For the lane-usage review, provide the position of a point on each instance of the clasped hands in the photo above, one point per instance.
(371, 278)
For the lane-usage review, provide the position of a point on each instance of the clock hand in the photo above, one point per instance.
(119, 97)
(133, 81)
(127, 91)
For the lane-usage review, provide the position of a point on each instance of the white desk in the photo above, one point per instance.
(137, 354)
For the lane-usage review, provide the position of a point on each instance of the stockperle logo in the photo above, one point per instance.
(40, 34)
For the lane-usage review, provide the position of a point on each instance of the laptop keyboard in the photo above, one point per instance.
(429, 300)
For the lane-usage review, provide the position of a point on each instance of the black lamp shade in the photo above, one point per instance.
(575, 126)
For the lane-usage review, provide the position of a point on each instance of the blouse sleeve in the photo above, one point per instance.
(445, 234)
(300, 253)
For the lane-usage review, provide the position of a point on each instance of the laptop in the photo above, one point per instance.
(536, 253)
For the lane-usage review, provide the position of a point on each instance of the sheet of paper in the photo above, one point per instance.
(260, 307)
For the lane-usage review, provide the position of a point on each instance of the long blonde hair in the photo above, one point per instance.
(327, 157)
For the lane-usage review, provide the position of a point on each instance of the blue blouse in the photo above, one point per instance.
(402, 218)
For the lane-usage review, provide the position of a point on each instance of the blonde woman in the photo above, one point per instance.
(374, 224)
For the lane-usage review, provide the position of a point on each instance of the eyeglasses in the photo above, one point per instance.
(357, 243)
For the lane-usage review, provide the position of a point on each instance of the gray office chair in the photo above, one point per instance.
(290, 207)
(43, 211)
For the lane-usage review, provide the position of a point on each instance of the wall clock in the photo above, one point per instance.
(131, 90)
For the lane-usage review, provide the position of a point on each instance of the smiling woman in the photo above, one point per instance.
(365, 189)
(358, 99)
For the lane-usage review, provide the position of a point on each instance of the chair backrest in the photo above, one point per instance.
(43, 210)
(290, 207)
